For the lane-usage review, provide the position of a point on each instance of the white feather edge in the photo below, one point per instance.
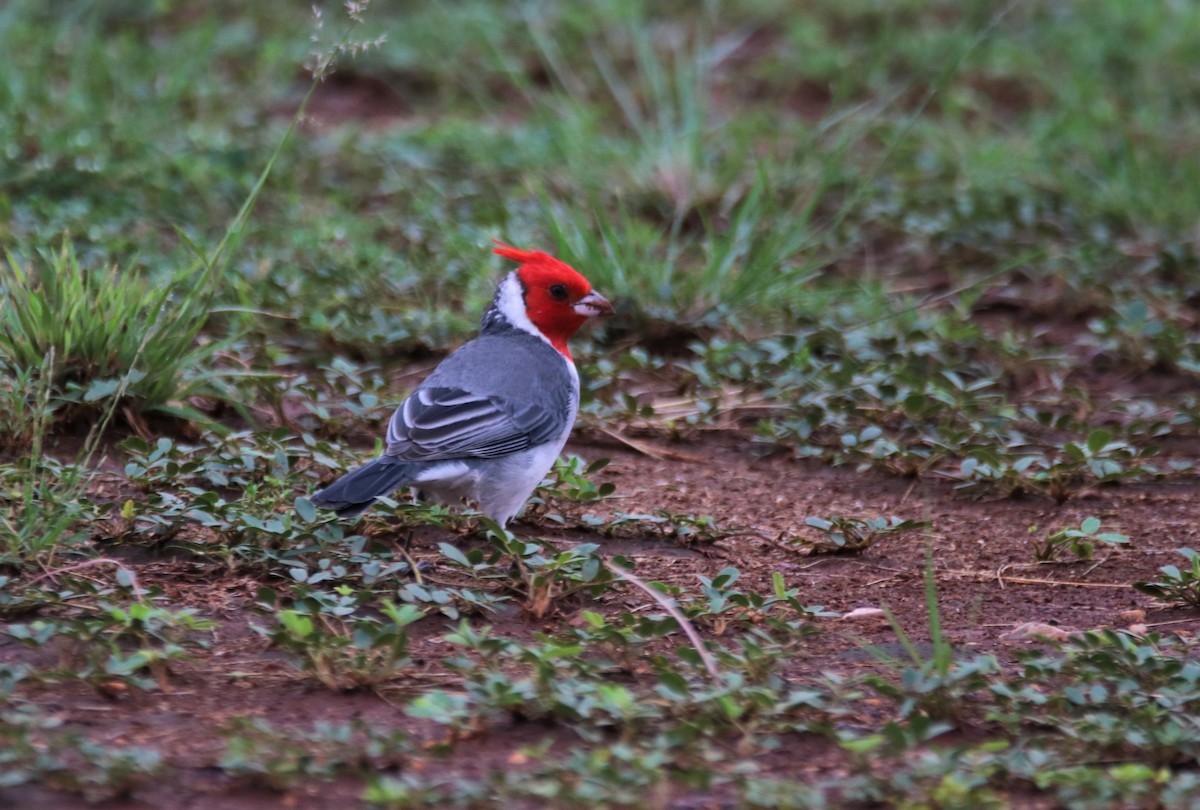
(510, 300)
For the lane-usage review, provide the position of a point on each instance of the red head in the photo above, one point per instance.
(558, 300)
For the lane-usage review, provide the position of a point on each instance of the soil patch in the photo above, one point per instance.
(987, 581)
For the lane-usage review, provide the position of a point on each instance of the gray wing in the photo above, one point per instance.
(444, 423)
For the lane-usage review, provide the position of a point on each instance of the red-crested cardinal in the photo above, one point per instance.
(489, 422)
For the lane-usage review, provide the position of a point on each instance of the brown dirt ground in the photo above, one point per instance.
(987, 587)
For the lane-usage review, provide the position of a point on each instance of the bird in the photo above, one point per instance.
(491, 419)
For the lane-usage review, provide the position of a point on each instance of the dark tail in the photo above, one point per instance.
(354, 492)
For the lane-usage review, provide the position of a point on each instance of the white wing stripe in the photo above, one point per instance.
(443, 423)
(441, 417)
(463, 398)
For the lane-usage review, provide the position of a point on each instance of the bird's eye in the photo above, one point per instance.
(558, 292)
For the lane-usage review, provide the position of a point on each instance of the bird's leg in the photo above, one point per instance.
(406, 545)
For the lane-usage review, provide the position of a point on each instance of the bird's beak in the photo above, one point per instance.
(593, 304)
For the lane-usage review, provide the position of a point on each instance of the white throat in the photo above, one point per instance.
(510, 301)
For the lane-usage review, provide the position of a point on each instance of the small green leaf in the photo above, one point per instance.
(101, 389)
(441, 707)
(1097, 440)
(452, 553)
(402, 615)
(590, 569)
(863, 745)
(296, 623)
(674, 682)
(778, 585)
(305, 509)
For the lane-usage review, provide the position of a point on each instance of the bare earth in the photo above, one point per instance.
(987, 587)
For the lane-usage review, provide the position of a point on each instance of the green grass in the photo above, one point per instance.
(914, 237)
(101, 333)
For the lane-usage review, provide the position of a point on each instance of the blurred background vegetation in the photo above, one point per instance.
(721, 168)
